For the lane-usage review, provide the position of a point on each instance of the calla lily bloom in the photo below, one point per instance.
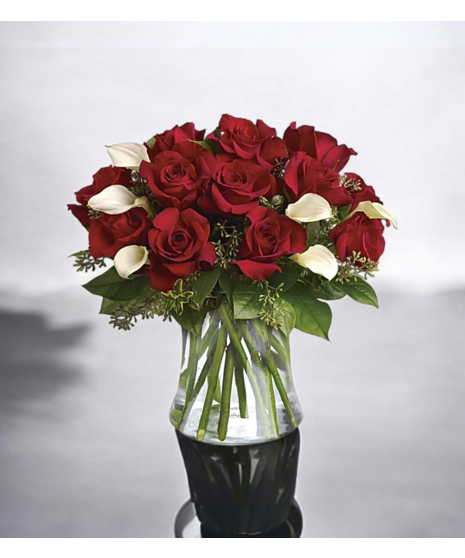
(129, 155)
(318, 259)
(129, 259)
(118, 199)
(375, 210)
(309, 209)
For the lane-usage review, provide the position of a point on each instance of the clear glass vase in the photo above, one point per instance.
(236, 383)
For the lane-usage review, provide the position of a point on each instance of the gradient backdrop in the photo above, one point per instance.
(86, 448)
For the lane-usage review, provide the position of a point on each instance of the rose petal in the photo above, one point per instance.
(129, 155)
(81, 213)
(318, 259)
(375, 210)
(129, 259)
(309, 209)
(257, 271)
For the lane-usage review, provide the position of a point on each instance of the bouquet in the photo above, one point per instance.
(252, 230)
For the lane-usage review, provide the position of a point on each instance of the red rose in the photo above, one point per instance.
(81, 213)
(178, 134)
(107, 176)
(109, 233)
(359, 234)
(180, 247)
(273, 152)
(236, 188)
(358, 190)
(305, 175)
(268, 237)
(175, 177)
(319, 145)
(242, 136)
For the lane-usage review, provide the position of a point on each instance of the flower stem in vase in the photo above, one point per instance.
(240, 384)
(227, 322)
(200, 382)
(259, 373)
(226, 394)
(212, 381)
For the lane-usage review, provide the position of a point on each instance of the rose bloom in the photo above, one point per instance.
(359, 234)
(268, 237)
(362, 191)
(178, 134)
(272, 152)
(236, 188)
(242, 136)
(107, 176)
(319, 145)
(176, 177)
(179, 244)
(305, 175)
(109, 233)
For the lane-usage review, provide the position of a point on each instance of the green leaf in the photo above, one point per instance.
(289, 317)
(190, 319)
(109, 306)
(208, 144)
(344, 212)
(228, 281)
(328, 290)
(360, 291)
(203, 285)
(312, 315)
(151, 142)
(289, 276)
(246, 302)
(110, 285)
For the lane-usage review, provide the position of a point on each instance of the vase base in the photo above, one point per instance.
(187, 526)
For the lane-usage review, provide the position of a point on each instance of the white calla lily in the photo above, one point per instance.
(129, 259)
(375, 210)
(309, 209)
(129, 155)
(117, 199)
(318, 259)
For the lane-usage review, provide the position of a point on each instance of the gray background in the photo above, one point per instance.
(86, 448)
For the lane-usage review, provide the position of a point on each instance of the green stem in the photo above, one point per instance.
(199, 384)
(282, 352)
(217, 394)
(191, 366)
(274, 416)
(213, 378)
(207, 339)
(246, 365)
(256, 360)
(240, 385)
(281, 389)
(226, 394)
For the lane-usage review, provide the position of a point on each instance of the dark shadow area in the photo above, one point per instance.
(31, 360)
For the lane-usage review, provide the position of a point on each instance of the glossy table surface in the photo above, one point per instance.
(86, 448)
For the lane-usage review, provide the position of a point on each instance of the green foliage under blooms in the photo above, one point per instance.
(294, 298)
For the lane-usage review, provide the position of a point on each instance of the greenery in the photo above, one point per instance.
(110, 285)
(85, 262)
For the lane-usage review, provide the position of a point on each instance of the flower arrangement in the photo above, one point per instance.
(242, 223)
